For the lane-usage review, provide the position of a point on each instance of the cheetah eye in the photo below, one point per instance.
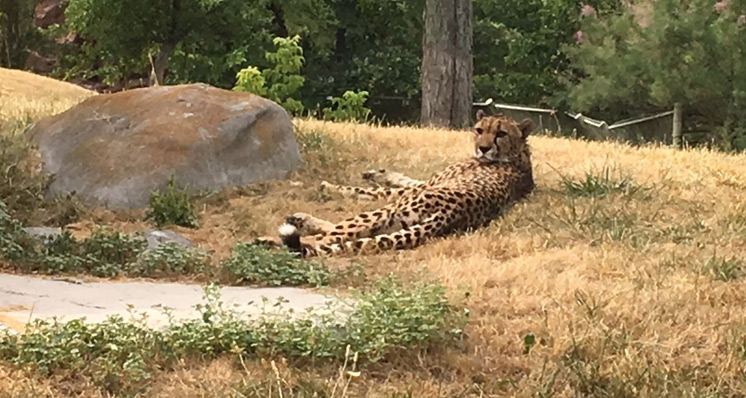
(480, 130)
(500, 134)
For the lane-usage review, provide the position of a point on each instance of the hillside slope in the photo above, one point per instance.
(626, 265)
(26, 94)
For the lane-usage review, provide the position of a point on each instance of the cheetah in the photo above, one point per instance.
(464, 196)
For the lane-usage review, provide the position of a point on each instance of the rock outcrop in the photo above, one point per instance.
(114, 149)
(49, 12)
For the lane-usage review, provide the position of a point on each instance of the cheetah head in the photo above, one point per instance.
(499, 138)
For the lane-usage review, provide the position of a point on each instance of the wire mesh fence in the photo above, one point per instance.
(650, 128)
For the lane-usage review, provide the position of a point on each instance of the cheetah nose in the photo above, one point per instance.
(485, 149)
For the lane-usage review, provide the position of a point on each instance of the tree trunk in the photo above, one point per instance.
(278, 22)
(159, 63)
(447, 66)
(15, 25)
(463, 94)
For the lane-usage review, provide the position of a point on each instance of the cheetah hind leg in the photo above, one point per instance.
(391, 186)
(406, 238)
(366, 224)
(387, 194)
(391, 179)
(284, 241)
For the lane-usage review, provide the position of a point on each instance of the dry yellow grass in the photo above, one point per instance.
(26, 95)
(627, 294)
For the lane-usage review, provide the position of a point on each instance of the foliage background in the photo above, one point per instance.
(348, 45)
(690, 52)
(606, 58)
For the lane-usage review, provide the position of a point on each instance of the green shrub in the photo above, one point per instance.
(250, 79)
(627, 68)
(104, 253)
(22, 186)
(349, 107)
(15, 243)
(59, 254)
(254, 264)
(170, 259)
(109, 253)
(171, 207)
(120, 357)
(280, 83)
(392, 317)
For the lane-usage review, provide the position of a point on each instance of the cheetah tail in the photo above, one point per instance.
(290, 237)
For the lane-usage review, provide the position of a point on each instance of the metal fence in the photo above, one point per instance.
(652, 128)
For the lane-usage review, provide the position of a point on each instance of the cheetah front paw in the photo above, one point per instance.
(375, 176)
(325, 186)
(268, 242)
(307, 224)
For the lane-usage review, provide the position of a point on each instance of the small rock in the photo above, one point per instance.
(49, 12)
(158, 237)
(40, 233)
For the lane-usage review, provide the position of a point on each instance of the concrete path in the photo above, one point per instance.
(26, 297)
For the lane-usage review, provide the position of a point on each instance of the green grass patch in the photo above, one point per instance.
(593, 222)
(724, 269)
(171, 259)
(120, 357)
(601, 183)
(109, 253)
(253, 264)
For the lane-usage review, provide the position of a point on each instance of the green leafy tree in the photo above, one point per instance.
(123, 37)
(689, 52)
(312, 20)
(252, 80)
(370, 45)
(377, 47)
(254, 29)
(518, 47)
(178, 41)
(281, 82)
(16, 31)
(349, 107)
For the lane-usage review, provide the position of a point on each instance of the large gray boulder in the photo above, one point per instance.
(114, 149)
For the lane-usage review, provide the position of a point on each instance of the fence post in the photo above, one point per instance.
(676, 134)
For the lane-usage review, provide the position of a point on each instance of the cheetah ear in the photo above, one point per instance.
(480, 114)
(526, 126)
